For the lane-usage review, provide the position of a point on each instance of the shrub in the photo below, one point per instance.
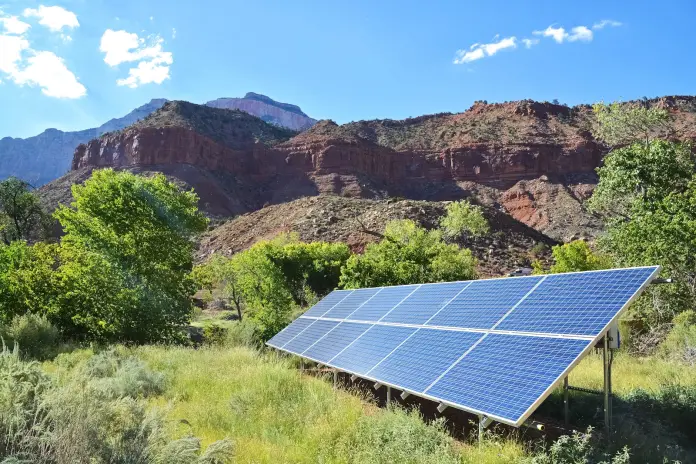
(578, 448)
(462, 219)
(35, 336)
(408, 254)
(243, 333)
(214, 334)
(680, 344)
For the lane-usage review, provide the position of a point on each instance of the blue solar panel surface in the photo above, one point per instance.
(368, 349)
(381, 303)
(423, 357)
(424, 303)
(495, 347)
(578, 303)
(335, 341)
(483, 303)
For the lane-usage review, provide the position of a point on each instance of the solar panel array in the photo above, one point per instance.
(495, 347)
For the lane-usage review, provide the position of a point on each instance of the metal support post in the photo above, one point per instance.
(302, 366)
(566, 406)
(388, 395)
(607, 386)
(335, 378)
(480, 431)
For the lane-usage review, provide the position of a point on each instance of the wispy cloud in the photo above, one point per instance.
(478, 51)
(606, 22)
(25, 66)
(556, 33)
(126, 47)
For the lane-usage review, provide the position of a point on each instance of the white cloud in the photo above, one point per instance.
(49, 72)
(529, 43)
(560, 35)
(478, 51)
(125, 47)
(606, 22)
(580, 33)
(55, 18)
(13, 25)
(557, 33)
(11, 48)
(25, 66)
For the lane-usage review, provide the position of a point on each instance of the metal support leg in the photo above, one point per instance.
(480, 431)
(566, 406)
(302, 366)
(388, 395)
(607, 386)
(335, 378)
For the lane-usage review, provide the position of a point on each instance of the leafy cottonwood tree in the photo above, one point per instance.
(218, 274)
(408, 254)
(126, 257)
(463, 218)
(20, 211)
(647, 189)
(575, 256)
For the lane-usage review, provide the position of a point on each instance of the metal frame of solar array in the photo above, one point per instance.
(494, 347)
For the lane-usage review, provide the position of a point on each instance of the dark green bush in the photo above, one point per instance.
(35, 336)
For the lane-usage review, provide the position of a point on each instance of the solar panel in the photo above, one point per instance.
(424, 303)
(494, 347)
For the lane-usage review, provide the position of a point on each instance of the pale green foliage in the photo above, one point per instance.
(578, 448)
(464, 219)
(625, 123)
(408, 254)
(218, 276)
(641, 173)
(33, 335)
(20, 211)
(126, 257)
(680, 344)
(575, 256)
(96, 412)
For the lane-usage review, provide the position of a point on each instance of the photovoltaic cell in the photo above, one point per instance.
(309, 335)
(505, 374)
(423, 357)
(351, 303)
(381, 303)
(484, 302)
(370, 348)
(577, 303)
(424, 303)
(285, 335)
(327, 303)
(335, 341)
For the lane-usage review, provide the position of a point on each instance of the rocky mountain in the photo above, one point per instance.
(271, 111)
(47, 156)
(532, 161)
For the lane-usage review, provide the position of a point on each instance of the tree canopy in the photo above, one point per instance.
(408, 254)
(463, 218)
(20, 211)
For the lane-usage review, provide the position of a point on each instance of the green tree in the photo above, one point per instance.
(20, 211)
(27, 279)
(644, 173)
(408, 254)
(575, 256)
(462, 219)
(126, 257)
(626, 123)
(218, 275)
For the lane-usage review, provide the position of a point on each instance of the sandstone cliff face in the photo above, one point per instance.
(535, 161)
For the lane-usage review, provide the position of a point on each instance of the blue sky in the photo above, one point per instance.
(70, 67)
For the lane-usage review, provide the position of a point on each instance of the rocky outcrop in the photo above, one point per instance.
(271, 111)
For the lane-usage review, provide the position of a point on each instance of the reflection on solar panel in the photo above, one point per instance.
(493, 347)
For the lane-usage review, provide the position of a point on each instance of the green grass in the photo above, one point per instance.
(275, 414)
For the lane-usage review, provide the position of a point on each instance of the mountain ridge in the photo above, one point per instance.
(46, 156)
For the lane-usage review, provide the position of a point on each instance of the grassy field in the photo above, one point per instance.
(275, 414)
